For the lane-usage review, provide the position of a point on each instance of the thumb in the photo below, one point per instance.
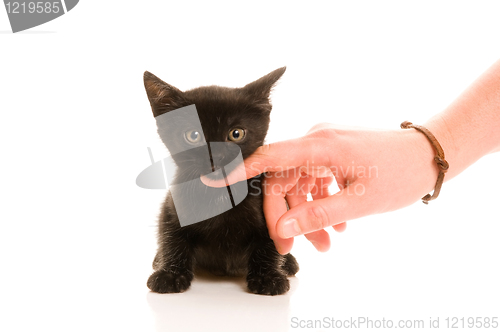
(321, 213)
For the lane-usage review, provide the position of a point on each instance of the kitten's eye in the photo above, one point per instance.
(193, 136)
(236, 135)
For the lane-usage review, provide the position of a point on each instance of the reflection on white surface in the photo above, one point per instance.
(221, 304)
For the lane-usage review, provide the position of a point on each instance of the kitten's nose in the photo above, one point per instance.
(217, 158)
(222, 153)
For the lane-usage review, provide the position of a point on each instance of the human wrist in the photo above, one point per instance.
(421, 154)
(444, 134)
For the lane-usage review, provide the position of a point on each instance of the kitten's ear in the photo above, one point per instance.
(162, 96)
(261, 88)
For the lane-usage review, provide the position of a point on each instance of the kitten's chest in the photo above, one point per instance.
(230, 235)
(236, 227)
(225, 243)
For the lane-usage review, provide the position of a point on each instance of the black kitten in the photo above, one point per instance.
(235, 242)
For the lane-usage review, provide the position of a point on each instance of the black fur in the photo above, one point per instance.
(235, 242)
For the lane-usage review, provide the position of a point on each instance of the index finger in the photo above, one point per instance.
(307, 152)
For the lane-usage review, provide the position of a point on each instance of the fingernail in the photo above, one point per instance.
(291, 228)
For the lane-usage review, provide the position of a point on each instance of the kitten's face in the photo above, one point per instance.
(233, 115)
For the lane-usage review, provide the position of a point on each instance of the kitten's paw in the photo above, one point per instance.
(270, 284)
(290, 266)
(168, 282)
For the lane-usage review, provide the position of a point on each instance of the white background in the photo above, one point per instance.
(77, 236)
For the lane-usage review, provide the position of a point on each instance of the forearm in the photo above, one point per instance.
(470, 127)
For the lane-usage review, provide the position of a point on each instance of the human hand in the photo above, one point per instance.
(376, 170)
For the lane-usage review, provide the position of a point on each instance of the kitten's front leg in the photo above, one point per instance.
(174, 266)
(265, 273)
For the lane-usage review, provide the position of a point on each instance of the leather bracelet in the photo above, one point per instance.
(439, 159)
